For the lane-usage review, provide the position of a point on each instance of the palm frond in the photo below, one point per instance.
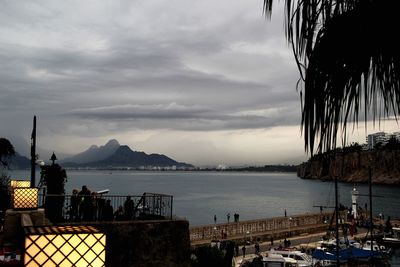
(351, 62)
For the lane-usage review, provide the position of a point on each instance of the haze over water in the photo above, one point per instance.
(200, 195)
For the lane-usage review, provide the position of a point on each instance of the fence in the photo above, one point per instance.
(102, 207)
(252, 227)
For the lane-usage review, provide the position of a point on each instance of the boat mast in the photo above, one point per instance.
(370, 205)
(337, 220)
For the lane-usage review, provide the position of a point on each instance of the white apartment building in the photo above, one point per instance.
(375, 138)
(380, 137)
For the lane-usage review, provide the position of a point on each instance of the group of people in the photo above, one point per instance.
(86, 205)
(228, 217)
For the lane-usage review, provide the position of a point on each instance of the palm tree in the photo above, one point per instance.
(6, 152)
(348, 56)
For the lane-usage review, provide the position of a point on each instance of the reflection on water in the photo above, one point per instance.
(395, 259)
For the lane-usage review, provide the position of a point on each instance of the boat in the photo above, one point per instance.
(274, 260)
(266, 260)
(350, 254)
(302, 259)
(392, 239)
(376, 247)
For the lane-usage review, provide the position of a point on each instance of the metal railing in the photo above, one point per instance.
(243, 228)
(104, 207)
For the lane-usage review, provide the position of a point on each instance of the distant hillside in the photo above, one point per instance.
(351, 165)
(267, 168)
(111, 155)
(20, 162)
(93, 153)
(125, 157)
(114, 155)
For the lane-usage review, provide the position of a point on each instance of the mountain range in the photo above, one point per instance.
(94, 153)
(111, 155)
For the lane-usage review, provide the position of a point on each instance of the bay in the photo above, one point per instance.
(198, 196)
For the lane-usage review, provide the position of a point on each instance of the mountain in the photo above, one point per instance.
(94, 153)
(114, 155)
(24, 148)
(125, 157)
(20, 162)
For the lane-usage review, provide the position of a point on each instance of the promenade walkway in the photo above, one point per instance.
(264, 229)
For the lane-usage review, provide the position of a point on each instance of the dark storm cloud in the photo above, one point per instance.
(99, 68)
(173, 116)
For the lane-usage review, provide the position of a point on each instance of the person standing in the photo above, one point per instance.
(244, 250)
(129, 207)
(74, 205)
(83, 195)
(108, 211)
(257, 248)
(228, 216)
(215, 218)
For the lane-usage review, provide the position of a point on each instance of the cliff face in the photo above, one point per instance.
(353, 167)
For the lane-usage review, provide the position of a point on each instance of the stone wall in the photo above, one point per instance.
(13, 232)
(147, 243)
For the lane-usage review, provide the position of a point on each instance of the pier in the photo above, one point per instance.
(264, 229)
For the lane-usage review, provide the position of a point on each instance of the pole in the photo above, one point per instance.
(172, 202)
(370, 205)
(33, 153)
(337, 221)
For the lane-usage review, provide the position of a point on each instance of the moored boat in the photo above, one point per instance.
(392, 239)
(302, 259)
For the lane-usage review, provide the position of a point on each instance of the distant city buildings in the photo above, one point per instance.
(380, 138)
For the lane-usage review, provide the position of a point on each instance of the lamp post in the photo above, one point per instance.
(290, 222)
(246, 236)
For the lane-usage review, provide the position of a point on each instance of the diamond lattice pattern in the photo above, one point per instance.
(25, 198)
(20, 183)
(86, 250)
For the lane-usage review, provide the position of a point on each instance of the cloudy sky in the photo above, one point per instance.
(206, 82)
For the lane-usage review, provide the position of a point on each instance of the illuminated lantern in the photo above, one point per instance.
(20, 183)
(64, 246)
(25, 198)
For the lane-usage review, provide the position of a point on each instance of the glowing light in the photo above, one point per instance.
(64, 246)
(20, 183)
(25, 198)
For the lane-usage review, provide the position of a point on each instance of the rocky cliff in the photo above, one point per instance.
(353, 167)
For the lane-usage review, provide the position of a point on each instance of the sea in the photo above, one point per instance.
(198, 196)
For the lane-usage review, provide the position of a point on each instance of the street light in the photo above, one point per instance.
(247, 236)
(290, 222)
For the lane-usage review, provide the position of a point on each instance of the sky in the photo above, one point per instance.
(204, 82)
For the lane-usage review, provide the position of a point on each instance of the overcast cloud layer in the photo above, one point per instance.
(205, 82)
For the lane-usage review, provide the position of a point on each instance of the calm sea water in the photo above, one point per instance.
(200, 195)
